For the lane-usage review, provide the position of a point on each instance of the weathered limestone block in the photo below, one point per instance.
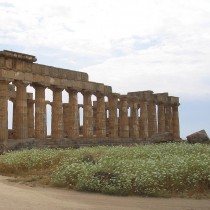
(113, 119)
(175, 117)
(168, 117)
(198, 137)
(57, 113)
(162, 137)
(100, 116)
(87, 115)
(124, 123)
(3, 114)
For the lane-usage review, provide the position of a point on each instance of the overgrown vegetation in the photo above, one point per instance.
(150, 170)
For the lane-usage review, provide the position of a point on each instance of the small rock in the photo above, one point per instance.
(198, 137)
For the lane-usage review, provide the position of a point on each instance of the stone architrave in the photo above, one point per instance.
(40, 112)
(143, 120)
(57, 113)
(100, 116)
(161, 117)
(124, 122)
(87, 115)
(30, 110)
(175, 120)
(134, 122)
(113, 120)
(152, 119)
(21, 110)
(73, 131)
(3, 114)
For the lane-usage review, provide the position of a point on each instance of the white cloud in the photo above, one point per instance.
(163, 45)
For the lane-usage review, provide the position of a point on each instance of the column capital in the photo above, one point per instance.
(124, 97)
(30, 101)
(72, 90)
(20, 82)
(36, 84)
(99, 95)
(86, 92)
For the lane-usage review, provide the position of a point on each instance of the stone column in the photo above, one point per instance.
(100, 116)
(113, 121)
(66, 114)
(14, 114)
(124, 123)
(143, 121)
(94, 120)
(57, 113)
(30, 110)
(87, 115)
(175, 120)
(134, 123)
(152, 120)
(161, 117)
(40, 112)
(168, 118)
(3, 114)
(21, 110)
(73, 131)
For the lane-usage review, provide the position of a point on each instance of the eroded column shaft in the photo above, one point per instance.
(66, 122)
(175, 120)
(134, 124)
(161, 118)
(152, 120)
(73, 131)
(100, 117)
(87, 115)
(40, 113)
(168, 119)
(113, 121)
(57, 114)
(143, 121)
(30, 110)
(3, 114)
(124, 122)
(21, 111)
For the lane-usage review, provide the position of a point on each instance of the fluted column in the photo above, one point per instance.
(73, 131)
(175, 120)
(161, 117)
(134, 123)
(3, 114)
(57, 113)
(14, 114)
(40, 112)
(152, 120)
(124, 123)
(143, 121)
(100, 116)
(21, 110)
(66, 114)
(113, 121)
(87, 115)
(30, 110)
(168, 118)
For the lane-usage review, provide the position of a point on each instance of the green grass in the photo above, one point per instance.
(150, 170)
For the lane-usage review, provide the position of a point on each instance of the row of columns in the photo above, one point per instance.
(144, 126)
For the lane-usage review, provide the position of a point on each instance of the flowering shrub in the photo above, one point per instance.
(151, 170)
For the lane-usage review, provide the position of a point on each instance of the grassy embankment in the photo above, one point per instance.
(150, 170)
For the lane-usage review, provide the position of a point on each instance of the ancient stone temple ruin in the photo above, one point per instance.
(135, 117)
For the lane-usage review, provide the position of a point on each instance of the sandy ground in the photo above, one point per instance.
(15, 196)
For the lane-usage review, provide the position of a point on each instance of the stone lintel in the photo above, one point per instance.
(124, 97)
(17, 55)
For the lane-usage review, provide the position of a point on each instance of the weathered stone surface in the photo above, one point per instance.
(162, 137)
(198, 137)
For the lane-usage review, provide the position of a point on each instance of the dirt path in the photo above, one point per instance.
(14, 196)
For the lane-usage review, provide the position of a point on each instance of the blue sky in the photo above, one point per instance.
(159, 45)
